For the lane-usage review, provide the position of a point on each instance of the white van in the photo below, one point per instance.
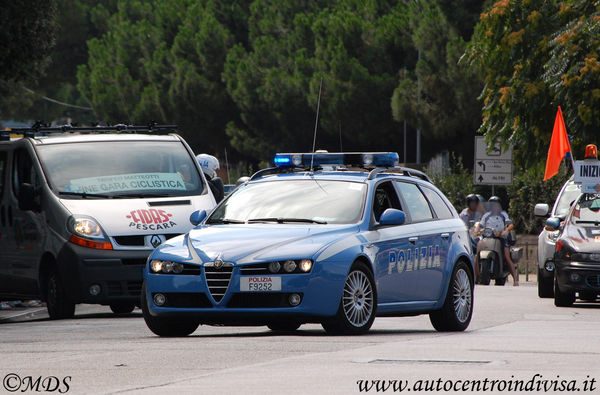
(82, 208)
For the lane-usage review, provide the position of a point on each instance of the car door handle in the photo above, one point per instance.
(445, 235)
(413, 239)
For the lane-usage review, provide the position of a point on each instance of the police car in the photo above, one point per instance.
(329, 238)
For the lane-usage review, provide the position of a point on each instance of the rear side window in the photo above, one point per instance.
(439, 206)
(416, 204)
(2, 172)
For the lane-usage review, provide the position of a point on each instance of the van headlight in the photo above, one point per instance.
(85, 227)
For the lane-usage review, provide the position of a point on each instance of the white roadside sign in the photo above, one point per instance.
(493, 165)
(587, 174)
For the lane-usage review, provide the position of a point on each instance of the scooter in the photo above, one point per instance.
(492, 264)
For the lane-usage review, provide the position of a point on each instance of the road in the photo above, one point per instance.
(513, 335)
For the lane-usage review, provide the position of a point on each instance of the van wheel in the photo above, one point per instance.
(122, 307)
(545, 286)
(167, 326)
(484, 273)
(57, 302)
(457, 311)
(358, 304)
(562, 299)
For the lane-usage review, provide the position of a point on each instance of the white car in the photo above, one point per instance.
(547, 239)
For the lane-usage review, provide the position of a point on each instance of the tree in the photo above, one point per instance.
(162, 61)
(26, 40)
(534, 56)
(447, 111)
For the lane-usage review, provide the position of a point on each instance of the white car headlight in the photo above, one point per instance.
(85, 227)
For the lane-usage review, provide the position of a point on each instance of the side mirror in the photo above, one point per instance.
(197, 217)
(541, 210)
(392, 216)
(552, 224)
(27, 195)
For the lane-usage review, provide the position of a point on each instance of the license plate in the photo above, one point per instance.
(260, 283)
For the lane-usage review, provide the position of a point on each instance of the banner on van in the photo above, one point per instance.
(128, 182)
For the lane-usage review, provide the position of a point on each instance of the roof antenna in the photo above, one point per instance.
(312, 157)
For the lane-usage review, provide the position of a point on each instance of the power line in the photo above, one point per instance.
(61, 103)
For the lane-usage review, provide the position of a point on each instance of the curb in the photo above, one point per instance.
(16, 316)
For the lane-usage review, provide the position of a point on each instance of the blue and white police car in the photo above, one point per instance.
(329, 238)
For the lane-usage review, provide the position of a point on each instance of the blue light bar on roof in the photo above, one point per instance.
(361, 159)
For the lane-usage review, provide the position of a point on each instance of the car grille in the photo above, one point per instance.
(118, 288)
(593, 281)
(259, 300)
(217, 279)
(186, 300)
(257, 268)
(137, 240)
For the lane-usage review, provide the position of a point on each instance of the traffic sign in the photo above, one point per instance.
(493, 165)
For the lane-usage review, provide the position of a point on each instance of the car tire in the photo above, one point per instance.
(545, 286)
(456, 313)
(562, 299)
(283, 326)
(500, 281)
(122, 307)
(358, 304)
(57, 302)
(167, 326)
(484, 272)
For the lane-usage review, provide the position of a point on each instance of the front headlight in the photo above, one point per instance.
(158, 266)
(85, 227)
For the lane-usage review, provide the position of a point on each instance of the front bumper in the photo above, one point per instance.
(587, 276)
(119, 273)
(320, 290)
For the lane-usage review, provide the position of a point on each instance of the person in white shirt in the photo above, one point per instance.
(499, 221)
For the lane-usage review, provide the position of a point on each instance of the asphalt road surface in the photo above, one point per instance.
(513, 336)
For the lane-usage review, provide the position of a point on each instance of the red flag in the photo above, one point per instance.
(559, 146)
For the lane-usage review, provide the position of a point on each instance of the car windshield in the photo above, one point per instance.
(569, 195)
(120, 169)
(587, 210)
(293, 201)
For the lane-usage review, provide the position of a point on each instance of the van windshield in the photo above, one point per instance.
(120, 169)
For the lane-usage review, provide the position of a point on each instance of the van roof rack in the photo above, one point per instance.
(40, 129)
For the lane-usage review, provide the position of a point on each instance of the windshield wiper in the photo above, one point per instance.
(282, 220)
(588, 222)
(85, 195)
(224, 221)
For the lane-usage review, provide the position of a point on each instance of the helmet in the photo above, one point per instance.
(481, 198)
(209, 164)
(495, 199)
(242, 180)
(472, 198)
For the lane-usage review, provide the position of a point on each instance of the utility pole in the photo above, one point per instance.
(418, 105)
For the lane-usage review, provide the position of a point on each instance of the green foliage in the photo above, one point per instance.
(535, 55)
(26, 38)
(529, 189)
(457, 184)
(447, 109)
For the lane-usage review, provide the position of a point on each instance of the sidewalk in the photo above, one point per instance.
(8, 313)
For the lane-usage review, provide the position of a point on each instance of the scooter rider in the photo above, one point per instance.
(470, 215)
(210, 165)
(499, 221)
